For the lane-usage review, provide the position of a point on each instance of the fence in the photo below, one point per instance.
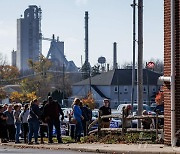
(124, 120)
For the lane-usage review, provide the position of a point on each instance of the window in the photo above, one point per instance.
(144, 89)
(116, 89)
(125, 89)
(154, 89)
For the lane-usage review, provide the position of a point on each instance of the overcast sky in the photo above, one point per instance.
(109, 21)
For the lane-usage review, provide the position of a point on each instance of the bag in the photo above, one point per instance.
(73, 121)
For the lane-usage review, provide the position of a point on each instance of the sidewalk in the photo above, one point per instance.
(106, 148)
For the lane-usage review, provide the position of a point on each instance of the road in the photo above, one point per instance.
(11, 150)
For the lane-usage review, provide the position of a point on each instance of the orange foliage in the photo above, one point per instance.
(89, 101)
(159, 98)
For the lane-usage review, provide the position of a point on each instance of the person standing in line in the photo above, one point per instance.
(3, 127)
(10, 123)
(43, 124)
(33, 121)
(17, 121)
(86, 114)
(77, 114)
(52, 111)
(105, 110)
(24, 118)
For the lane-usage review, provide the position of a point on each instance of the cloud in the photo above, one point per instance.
(81, 2)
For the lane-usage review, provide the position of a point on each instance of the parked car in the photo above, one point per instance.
(135, 111)
(114, 123)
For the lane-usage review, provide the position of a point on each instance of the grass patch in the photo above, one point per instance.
(117, 138)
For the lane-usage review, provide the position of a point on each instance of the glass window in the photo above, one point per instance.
(116, 89)
(125, 89)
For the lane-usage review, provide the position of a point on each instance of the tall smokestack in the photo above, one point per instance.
(86, 37)
(114, 55)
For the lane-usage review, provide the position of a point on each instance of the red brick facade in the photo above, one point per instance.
(167, 67)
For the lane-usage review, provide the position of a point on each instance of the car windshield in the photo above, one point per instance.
(145, 107)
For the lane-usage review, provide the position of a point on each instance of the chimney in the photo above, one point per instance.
(114, 55)
(86, 37)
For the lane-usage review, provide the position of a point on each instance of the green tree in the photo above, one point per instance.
(40, 81)
(95, 70)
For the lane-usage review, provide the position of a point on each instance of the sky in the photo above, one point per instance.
(109, 21)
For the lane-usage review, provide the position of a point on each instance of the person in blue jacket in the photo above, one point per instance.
(77, 114)
(33, 121)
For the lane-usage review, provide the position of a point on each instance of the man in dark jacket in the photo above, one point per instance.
(86, 113)
(105, 110)
(52, 111)
(3, 127)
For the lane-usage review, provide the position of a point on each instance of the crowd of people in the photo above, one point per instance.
(30, 121)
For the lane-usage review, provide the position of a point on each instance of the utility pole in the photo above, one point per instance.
(134, 50)
(63, 86)
(140, 60)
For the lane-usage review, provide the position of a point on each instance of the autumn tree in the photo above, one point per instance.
(2, 94)
(23, 97)
(40, 81)
(7, 73)
(89, 100)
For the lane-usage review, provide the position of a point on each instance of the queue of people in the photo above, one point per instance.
(28, 122)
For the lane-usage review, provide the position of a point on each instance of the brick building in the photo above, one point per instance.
(170, 47)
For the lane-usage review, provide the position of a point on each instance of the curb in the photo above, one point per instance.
(89, 149)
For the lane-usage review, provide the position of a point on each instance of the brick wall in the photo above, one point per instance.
(167, 67)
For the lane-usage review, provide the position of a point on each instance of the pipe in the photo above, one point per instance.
(164, 79)
(173, 120)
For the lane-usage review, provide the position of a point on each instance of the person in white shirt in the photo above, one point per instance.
(24, 118)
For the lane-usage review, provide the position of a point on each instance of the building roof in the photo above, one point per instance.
(12, 88)
(120, 77)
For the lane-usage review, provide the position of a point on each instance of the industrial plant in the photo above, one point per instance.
(29, 44)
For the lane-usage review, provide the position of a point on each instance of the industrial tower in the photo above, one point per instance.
(29, 40)
(86, 68)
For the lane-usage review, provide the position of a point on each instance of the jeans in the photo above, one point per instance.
(33, 129)
(56, 123)
(78, 130)
(18, 128)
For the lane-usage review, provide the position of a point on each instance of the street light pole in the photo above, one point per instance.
(63, 86)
